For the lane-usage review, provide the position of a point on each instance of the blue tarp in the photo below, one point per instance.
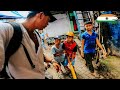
(115, 30)
(8, 17)
(12, 14)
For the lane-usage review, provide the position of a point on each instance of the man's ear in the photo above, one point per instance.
(40, 15)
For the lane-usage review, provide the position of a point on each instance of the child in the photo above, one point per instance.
(89, 41)
(70, 48)
(57, 50)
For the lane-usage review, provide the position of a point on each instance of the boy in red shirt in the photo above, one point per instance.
(70, 48)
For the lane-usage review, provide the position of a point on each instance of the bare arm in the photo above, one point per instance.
(99, 44)
(82, 47)
(48, 59)
(73, 55)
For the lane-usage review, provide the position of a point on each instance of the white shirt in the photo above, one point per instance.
(19, 66)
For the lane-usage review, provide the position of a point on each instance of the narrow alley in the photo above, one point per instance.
(81, 70)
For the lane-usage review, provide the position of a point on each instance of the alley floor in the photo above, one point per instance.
(81, 70)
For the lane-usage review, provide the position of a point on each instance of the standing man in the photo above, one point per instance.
(18, 65)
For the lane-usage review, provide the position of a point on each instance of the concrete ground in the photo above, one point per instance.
(82, 71)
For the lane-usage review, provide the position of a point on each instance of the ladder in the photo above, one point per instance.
(81, 17)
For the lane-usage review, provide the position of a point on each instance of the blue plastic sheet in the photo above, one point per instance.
(115, 30)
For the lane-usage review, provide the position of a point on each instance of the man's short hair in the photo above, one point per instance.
(88, 22)
(47, 13)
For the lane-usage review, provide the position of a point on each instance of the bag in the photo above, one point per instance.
(12, 47)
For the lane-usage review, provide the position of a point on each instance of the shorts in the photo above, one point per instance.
(65, 62)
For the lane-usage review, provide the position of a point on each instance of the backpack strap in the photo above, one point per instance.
(16, 39)
(12, 48)
(38, 34)
(29, 59)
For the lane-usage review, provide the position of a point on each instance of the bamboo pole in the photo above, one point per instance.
(72, 69)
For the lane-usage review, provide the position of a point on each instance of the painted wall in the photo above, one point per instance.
(59, 27)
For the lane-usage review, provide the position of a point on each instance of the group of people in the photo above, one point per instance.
(18, 66)
(65, 50)
(69, 48)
